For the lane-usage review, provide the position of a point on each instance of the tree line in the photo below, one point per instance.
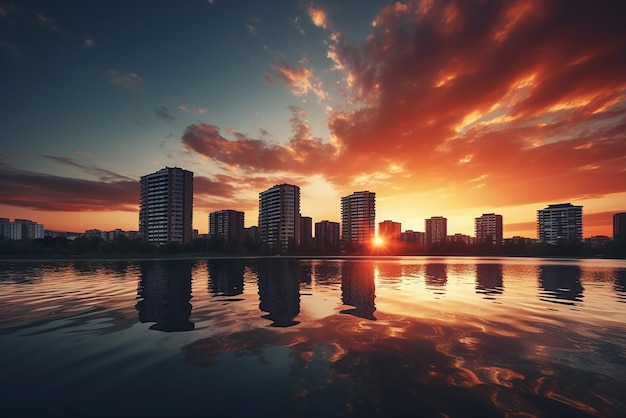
(93, 246)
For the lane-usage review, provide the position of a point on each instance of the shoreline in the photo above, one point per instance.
(4, 258)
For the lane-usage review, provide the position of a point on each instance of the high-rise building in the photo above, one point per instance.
(413, 236)
(488, 228)
(166, 206)
(358, 217)
(279, 217)
(20, 229)
(227, 224)
(327, 234)
(306, 231)
(560, 222)
(619, 225)
(389, 230)
(436, 229)
(252, 234)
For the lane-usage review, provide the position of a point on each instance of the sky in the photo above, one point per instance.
(448, 108)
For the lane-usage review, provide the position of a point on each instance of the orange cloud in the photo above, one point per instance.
(251, 155)
(318, 16)
(539, 107)
(300, 80)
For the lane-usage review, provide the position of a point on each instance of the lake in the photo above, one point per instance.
(288, 337)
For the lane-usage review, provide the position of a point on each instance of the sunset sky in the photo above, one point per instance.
(442, 108)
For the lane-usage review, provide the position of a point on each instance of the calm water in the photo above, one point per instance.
(313, 338)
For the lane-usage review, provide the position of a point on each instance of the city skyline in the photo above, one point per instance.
(450, 108)
(435, 227)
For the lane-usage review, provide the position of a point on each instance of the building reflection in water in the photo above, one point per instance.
(327, 273)
(620, 285)
(18, 272)
(358, 288)
(164, 294)
(560, 284)
(436, 277)
(279, 291)
(489, 280)
(225, 277)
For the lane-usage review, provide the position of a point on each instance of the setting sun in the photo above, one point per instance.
(379, 242)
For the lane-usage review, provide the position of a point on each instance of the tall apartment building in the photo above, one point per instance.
(279, 217)
(488, 229)
(389, 230)
(436, 229)
(358, 217)
(227, 224)
(166, 206)
(619, 225)
(327, 234)
(306, 231)
(562, 221)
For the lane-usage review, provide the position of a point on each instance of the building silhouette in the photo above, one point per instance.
(389, 230)
(560, 222)
(358, 217)
(619, 226)
(488, 229)
(251, 235)
(327, 234)
(413, 237)
(436, 229)
(306, 231)
(166, 206)
(279, 217)
(227, 224)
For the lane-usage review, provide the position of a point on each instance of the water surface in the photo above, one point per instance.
(298, 337)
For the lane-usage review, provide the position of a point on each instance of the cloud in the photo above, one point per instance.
(206, 186)
(47, 22)
(300, 80)
(163, 113)
(111, 192)
(302, 154)
(81, 153)
(196, 110)
(89, 43)
(470, 103)
(128, 80)
(55, 193)
(251, 29)
(530, 90)
(318, 16)
(100, 173)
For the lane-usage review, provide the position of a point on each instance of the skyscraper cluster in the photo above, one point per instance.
(167, 205)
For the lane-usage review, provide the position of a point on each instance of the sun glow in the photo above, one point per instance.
(379, 242)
